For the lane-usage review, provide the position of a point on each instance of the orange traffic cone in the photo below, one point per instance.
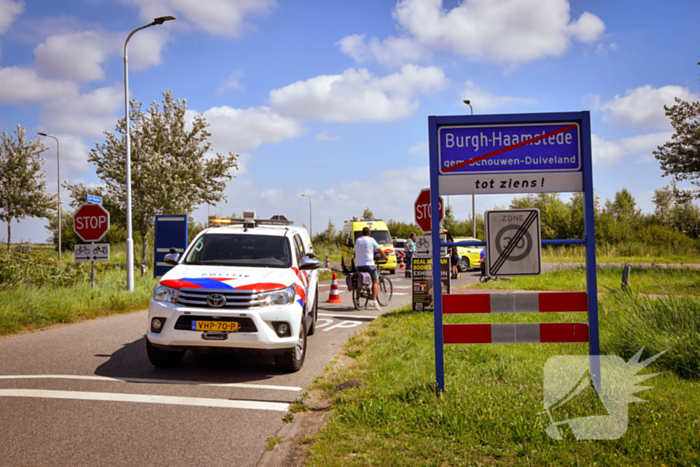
(401, 266)
(334, 297)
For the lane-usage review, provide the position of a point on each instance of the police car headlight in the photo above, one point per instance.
(162, 293)
(278, 297)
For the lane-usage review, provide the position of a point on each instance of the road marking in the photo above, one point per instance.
(326, 322)
(346, 316)
(344, 325)
(141, 398)
(153, 381)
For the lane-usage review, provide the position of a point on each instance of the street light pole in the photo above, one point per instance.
(129, 236)
(58, 180)
(466, 101)
(311, 226)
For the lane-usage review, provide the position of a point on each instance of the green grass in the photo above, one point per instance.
(28, 307)
(489, 413)
(649, 280)
(631, 253)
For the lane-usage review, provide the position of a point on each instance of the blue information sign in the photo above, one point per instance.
(507, 157)
(94, 199)
(171, 232)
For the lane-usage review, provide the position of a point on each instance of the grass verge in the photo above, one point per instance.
(650, 280)
(26, 308)
(490, 411)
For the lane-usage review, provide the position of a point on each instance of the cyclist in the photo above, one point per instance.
(364, 260)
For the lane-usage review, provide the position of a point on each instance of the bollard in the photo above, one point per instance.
(625, 277)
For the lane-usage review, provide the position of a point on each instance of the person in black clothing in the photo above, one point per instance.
(454, 261)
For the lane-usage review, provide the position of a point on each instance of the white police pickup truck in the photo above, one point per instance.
(248, 284)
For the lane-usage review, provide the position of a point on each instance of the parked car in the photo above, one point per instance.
(471, 255)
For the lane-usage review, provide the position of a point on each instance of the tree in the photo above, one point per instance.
(624, 208)
(22, 180)
(680, 157)
(554, 214)
(367, 213)
(172, 169)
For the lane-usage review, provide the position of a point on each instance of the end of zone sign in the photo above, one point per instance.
(513, 245)
(510, 158)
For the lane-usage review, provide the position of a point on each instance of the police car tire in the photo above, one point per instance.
(288, 361)
(314, 314)
(392, 271)
(163, 358)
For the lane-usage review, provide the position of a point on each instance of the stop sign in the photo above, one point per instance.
(91, 222)
(423, 211)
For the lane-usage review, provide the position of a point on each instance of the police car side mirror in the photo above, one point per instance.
(172, 257)
(308, 264)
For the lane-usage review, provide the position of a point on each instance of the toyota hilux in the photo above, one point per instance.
(250, 284)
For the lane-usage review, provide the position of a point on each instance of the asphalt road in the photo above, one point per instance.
(86, 394)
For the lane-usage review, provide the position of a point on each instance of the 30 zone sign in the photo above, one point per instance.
(91, 222)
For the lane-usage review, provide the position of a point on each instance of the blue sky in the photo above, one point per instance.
(331, 99)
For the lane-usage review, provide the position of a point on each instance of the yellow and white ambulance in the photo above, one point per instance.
(352, 230)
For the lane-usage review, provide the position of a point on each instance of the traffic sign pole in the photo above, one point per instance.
(435, 234)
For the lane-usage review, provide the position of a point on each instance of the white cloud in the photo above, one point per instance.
(232, 82)
(238, 130)
(24, 85)
(325, 136)
(74, 152)
(611, 152)
(218, 17)
(484, 100)
(502, 30)
(357, 95)
(79, 55)
(420, 148)
(643, 106)
(9, 10)
(391, 51)
(85, 114)
(587, 28)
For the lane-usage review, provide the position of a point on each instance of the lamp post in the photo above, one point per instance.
(58, 181)
(129, 237)
(468, 102)
(311, 226)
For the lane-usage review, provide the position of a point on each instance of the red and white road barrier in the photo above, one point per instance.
(520, 333)
(516, 333)
(334, 296)
(327, 262)
(546, 302)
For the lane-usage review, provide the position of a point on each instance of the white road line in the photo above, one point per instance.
(153, 381)
(346, 316)
(141, 398)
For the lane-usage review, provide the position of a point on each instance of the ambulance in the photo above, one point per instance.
(352, 230)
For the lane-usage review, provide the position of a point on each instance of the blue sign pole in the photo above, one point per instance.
(435, 235)
(589, 232)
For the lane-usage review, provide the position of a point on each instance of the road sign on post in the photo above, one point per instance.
(515, 153)
(91, 222)
(513, 244)
(423, 211)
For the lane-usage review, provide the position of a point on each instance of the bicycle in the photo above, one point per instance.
(422, 243)
(385, 290)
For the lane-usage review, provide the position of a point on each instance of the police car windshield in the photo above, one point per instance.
(241, 250)
(381, 236)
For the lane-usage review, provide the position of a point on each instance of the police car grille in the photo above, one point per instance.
(184, 323)
(235, 299)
